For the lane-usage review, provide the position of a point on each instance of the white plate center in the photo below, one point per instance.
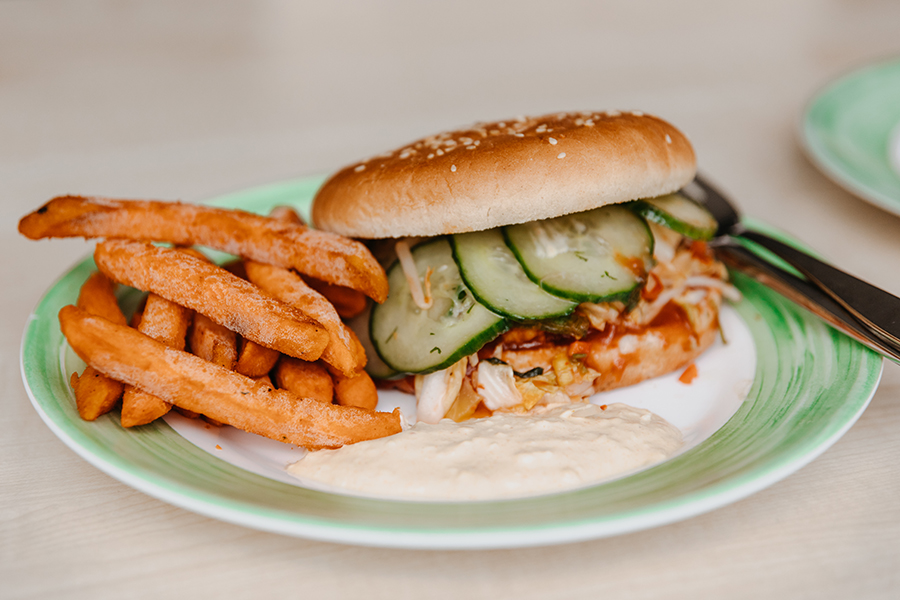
(725, 373)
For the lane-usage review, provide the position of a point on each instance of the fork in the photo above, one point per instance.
(866, 313)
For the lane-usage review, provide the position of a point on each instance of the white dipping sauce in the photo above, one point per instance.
(503, 456)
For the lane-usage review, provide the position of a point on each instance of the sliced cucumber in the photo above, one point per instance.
(679, 213)
(495, 277)
(374, 365)
(596, 256)
(414, 340)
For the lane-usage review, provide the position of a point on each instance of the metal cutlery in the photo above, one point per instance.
(862, 311)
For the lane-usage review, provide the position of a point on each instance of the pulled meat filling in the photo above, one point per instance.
(600, 346)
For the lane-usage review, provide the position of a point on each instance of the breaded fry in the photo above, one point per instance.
(200, 386)
(343, 351)
(347, 302)
(98, 297)
(210, 341)
(141, 408)
(306, 379)
(286, 214)
(214, 292)
(255, 360)
(358, 390)
(322, 255)
(165, 322)
(96, 394)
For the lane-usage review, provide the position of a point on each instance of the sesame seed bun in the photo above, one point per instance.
(506, 172)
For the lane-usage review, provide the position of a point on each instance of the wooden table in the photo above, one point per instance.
(184, 101)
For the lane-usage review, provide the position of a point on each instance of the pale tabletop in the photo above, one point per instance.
(178, 100)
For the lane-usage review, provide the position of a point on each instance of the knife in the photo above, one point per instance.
(862, 311)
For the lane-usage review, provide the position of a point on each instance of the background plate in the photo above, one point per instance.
(811, 385)
(851, 131)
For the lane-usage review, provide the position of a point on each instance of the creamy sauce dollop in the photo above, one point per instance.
(503, 456)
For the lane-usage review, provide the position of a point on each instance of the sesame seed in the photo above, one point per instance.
(453, 168)
(520, 135)
(613, 113)
(470, 147)
(561, 155)
(668, 139)
(439, 152)
(552, 141)
(360, 168)
(637, 113)
(431, 155)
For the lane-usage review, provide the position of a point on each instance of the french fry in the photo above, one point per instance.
(214, 292)
(98, 297)
(286, 214)
(96, 394)
(306, 379)
(255, 360)
(343, 350)
(358, 390)
(165, 322)
(210, 341)
(347, 302)
(319, 254)
(198, 385)
(141, 408)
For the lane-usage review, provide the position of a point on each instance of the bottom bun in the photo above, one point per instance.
(655, 353)
(623, 356)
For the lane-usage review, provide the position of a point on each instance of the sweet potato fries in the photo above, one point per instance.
(208, 337)
(325, 256)
(206, 388)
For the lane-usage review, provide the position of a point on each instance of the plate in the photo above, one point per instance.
(725, 375)
(851, 131)
(810, 385)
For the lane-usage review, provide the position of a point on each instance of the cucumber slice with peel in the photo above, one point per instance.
(679, 213)
(599, 255)
(374, 365)
(415, 340)
(497, 280)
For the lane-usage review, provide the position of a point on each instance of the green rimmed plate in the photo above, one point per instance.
(810, 386)
(851, 131)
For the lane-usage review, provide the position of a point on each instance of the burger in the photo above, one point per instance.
(531, 261)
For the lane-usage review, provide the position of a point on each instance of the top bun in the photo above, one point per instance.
(506, 172)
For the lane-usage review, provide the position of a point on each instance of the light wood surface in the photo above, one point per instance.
(177, 100)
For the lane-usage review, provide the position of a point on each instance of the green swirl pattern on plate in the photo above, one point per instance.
(811, 385)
